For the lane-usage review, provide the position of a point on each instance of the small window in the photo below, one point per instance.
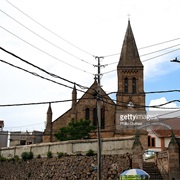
(87, 114)
(95, 117)
(126, 85)
(151, 142)
(102, 118)
(22, 142)
(134, 85)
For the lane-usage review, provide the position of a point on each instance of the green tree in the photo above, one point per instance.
(75, 130)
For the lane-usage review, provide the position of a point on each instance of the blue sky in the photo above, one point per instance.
(85, 29)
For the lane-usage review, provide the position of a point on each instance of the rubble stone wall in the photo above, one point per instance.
(66, 167)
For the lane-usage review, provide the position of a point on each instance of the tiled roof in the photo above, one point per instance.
(162, 131)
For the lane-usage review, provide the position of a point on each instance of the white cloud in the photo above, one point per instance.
(160, 101)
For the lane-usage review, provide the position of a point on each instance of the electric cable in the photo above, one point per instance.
(151, 92)
(51, 74)
(142, 60)
(49, 29)
(40, 103)
(45, 51)
(35, 74)
(147, 46)
(45, 39)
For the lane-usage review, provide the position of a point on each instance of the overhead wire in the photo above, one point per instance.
(115, 54)
(147, 60)
(137, 106)
(45, 38)
(163, 114)
(104, 99)
(35, 74)
(48, 29)
(43, 70)
(45, 51)
(142, 60)
(160, 50)
(67, 80)
(152, 92)
(160, 55)
(40, 103)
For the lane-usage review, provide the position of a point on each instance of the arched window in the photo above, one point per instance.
(126, 85)
(87, 114)
(102, 118)
(95, 117)
(134, 85)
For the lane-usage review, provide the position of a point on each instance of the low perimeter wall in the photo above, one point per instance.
(109, 146)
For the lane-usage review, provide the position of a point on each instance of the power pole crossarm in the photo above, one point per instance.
(175, 60)
(99, 67)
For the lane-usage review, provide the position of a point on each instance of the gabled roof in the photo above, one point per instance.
(90, 94)
(93, 89)
(161, 131)
(129, 53)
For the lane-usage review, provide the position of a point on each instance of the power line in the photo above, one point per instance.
(49, 29)
(51, 74)
(24, 125)
(45, 39)
(159, 50)
(161, 55)
(35, 74)
(39, 103)
(157, 106)
(152, 92)
(142, 60)
(115, 54)
(45, 51)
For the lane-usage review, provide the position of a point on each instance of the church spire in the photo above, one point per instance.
(74, 97)
(130, 75)
(48, 130)
(129, 53)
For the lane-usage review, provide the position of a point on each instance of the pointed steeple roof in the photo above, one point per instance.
(49, 111)
(74, 96)
(129, 53)
(74, 90)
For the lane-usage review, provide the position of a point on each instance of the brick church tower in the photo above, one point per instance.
(130, 94)
(130, 75)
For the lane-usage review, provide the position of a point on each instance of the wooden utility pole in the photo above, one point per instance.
(99, 169)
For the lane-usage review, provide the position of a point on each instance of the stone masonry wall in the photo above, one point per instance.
(66, 167)
(109, 146)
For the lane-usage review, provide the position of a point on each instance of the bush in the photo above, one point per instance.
(16, 157)
(75, 130)
(30, 155)
(24, 156)
(60, 154)
(39, 156)
(27, 156)
(2, 159)
(49, 154)
(90, 153)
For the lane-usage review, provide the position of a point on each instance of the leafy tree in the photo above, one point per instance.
(75, 130)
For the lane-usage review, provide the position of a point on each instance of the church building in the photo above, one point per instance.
(130, 99)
